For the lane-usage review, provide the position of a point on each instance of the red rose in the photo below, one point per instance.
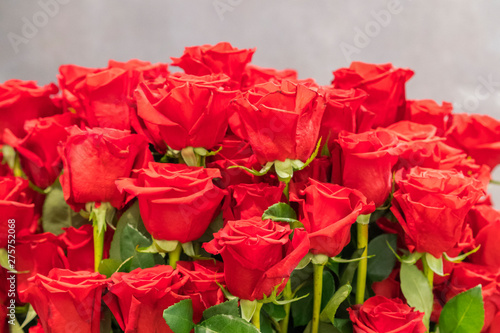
(477, 135)
(5, 169)
(258, 255)
(219, 58)
(234, 152)
(137, 299)
(342, 113)
(431, 205)
(103, 97)
(383, 315)
(327, 212)
(385, 86)
(389, 287)
(487, 238)
(201, 286)
(24, 100)
(79, 246)
(184, 112)
(175, 192)
(248, 200)
(466, 276)
(66, 301)
(16, 208)
(280, 122)
(94, 159)
(366, 162)
(38, 153)
(38, 254)
(427, 111)
(256, 75)
(480, 216)
(319, 169)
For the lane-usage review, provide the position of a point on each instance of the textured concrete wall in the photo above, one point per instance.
(453, 46)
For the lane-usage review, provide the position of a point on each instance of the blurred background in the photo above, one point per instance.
(453, 46)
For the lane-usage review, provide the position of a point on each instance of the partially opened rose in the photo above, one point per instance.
(16, 208)
(478, 135)
(258, 256)
(38, 153)
(177, 202)
(94, 159)
(24, 100)
(215, 59)
(184, 111)
(366, 162)
(379, 314)
(137, 299)
(431, 205)
(280, 121)
(203, 284)
(256, 75)
(427, 111)
(327, 212)
(66, 301)
(385, 86)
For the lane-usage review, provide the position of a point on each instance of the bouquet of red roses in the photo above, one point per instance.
(234, 198)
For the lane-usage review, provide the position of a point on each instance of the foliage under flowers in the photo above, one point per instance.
(234, 198)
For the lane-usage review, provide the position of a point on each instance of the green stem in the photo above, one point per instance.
(287, 295)
(174, 256)
(256, 315)
(318, 290)
(17, 170)
(363, 263)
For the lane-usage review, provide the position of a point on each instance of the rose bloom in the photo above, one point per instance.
(215, 59)
(177, 202)
(280, 121)
(202, 286)
(137, 299)
(16, 203)
(103, 97)
(38, 254)
(24, 100)
(327, 212)
(38, 153)
(486, 221)
(256, 75)
(66, 301)
(478, 135)
(379, 314)
(94, 159)
(249, 200)
(184, 111)
(385, 86)
(427, 111)
(366, 163)
(431, 205)
(258, 255)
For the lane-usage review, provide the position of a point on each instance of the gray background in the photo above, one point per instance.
(453, 46)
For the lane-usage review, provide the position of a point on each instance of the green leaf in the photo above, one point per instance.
(179, 317)
(464, 313)
(275, 311)
(322, 328)
(225, 324)
(109, 266)
(416, 289)
(349, 271)
(29, 316)
(248, 308)
(57, 214)
(383, 263)
(280, 212)
(229, 308)
(131, 239)
(328, 313)
(132, 217)
(435, 264)
(343, 325)
(302, 309)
